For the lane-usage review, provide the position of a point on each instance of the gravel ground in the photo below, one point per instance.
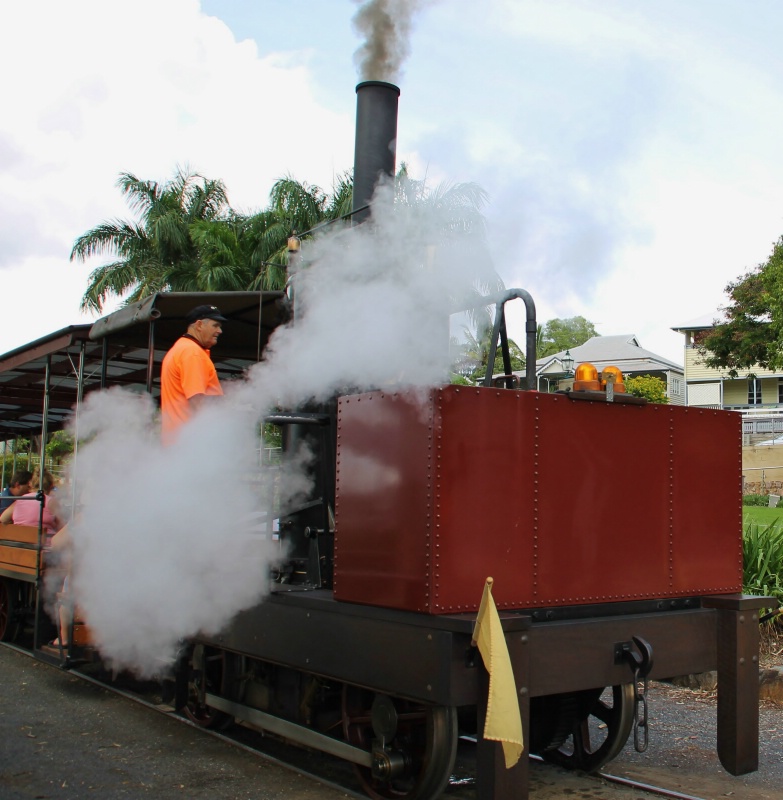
(65, 738)
(682, 754)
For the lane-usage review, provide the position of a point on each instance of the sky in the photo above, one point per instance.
(630, 150)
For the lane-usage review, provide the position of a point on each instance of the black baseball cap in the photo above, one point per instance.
(204, 312)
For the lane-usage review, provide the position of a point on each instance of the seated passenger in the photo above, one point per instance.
(24, 511)
(19, 485)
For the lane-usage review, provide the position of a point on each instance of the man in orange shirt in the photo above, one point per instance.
(188, 376)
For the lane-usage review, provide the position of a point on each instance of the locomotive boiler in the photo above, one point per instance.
(611, 528)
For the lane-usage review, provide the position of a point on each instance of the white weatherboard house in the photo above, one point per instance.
(756, 393)
(753, 390)
(624, 352)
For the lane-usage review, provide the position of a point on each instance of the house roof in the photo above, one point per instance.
(701, 323)
(623, 351)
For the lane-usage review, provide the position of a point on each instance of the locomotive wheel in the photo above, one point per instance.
(9, 624)
(599, 731)
(212, 668)
(424, 738)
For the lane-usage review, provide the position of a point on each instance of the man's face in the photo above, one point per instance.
(19, 489)
(207, 331)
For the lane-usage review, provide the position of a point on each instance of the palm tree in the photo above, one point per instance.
(295, 208)
(159, 251)
(458, 227)
(225, 249)
(189, 239)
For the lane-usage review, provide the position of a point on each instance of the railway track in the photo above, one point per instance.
(547, 781)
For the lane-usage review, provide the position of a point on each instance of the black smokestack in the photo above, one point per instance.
(376, 140)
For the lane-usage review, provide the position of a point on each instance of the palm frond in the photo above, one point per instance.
(114, 236)
(118, 278)
(298, 205)
(340, 201)
(172, 236)
(206, 201)
(140, 195)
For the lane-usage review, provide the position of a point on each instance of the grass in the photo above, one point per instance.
(761, 515)
(762, 542)
(763, 574)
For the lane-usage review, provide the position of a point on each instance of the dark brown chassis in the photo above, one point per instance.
(425, 659)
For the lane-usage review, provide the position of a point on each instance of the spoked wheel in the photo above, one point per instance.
(210, 671)
(9, 623)
(420, 743)
(598, 730)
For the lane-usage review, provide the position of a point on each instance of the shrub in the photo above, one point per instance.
(647, 386)
(755, 500)
(762, 552)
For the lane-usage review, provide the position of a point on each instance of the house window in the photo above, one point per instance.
(676, 386)
(754, 391)
(780, 390)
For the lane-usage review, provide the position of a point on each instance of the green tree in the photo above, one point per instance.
(60, 446)
(157, 252)
(752, 334)
(187, 238)
(563, 334)
(453, 213)
(647, 386)
(18, 449)
(297, 208)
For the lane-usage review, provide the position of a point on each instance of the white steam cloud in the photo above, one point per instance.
(168, 543)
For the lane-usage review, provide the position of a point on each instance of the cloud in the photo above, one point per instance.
(103, 88)
(628, 150)
(602, 132)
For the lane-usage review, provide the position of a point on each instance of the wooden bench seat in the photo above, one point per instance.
(19, 551)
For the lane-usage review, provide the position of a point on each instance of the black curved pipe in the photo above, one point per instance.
(499, 329)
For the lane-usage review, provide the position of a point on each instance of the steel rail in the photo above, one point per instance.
(646, 787)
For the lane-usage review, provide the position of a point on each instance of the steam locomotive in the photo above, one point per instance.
(611, 528)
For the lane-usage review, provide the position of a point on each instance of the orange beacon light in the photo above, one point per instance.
(586, 378)
(615, 376)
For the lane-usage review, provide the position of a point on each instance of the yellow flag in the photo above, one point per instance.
(504, 722)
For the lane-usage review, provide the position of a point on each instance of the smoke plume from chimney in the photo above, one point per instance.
(386, 26)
